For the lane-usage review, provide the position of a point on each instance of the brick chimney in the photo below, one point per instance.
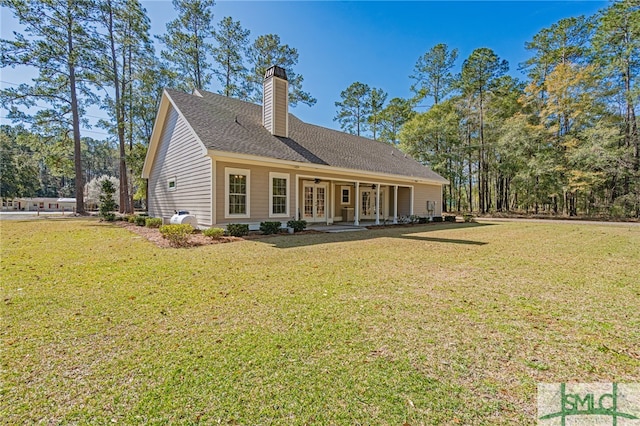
(275, 102)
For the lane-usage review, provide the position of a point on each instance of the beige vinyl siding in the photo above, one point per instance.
(280, 108)
(267, 112)
(404, 201)
(424, 193)
(258, 193)
(181, 156)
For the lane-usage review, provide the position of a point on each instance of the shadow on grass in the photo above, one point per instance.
(407, 233)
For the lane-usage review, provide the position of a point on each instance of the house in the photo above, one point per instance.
(229, 161)
(43, 204)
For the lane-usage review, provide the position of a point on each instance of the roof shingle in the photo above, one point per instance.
(231, 125)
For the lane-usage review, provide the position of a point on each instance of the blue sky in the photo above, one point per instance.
(374, 42)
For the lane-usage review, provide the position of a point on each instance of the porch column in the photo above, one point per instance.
(411, 202)
(395, 204)
(356, 212)
(378, 204)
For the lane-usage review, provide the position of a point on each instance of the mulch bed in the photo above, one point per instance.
(196, 239)
(153, 235)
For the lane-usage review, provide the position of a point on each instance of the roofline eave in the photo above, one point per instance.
(257, 160)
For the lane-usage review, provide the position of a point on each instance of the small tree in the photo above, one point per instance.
(107, 205)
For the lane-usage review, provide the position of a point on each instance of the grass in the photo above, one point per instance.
(438, 324)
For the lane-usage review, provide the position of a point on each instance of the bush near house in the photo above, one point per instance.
(297, 225)
(238, 229)
(269, 228)
(437, 219)
(153, 222)
(140, 220)
(213, 233)
(178, 235)
(449, 218)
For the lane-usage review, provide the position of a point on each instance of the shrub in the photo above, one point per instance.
(268, 228)
(213, 233)
(297, 225)
(449, 218)
(178, 235)
(140, 220)
(107, 204)
(468, 217)
(131, 219)
(153, 222)
(437, 219)
(237, 229)
(422, 219)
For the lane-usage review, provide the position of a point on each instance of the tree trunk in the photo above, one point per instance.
(77, 147)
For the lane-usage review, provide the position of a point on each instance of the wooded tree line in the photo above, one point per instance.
(100, 53)
(562, 140)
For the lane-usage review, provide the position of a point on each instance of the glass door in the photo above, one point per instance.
(314, 202)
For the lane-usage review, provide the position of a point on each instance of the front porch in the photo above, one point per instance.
(325, 201)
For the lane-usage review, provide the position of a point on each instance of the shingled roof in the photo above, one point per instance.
(235, 126)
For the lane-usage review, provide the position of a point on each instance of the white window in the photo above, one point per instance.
(278, 194)
(172, 184)
(237, 183)
(345, 195)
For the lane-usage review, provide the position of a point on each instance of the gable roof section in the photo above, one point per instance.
(234, 126)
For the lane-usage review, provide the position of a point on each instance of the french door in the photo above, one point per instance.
(368, 207)
(314, 198)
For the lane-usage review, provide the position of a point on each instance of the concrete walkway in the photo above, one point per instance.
(336, 228)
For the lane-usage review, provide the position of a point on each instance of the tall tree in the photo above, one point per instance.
(616, 46)
(267, 51)
(60, 44)
(127, 44)
(186, 41)
(228, 55)
(397, 112)
(432, 138)
(432, 74)
(377, 98)
(479, 73)
(354, 109)
(18, 166)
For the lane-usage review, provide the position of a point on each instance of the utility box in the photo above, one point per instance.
(348, 214)
(183, 217)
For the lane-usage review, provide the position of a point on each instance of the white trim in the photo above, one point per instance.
(411, 201)
(395, 204)
(214, 181)
(233, 171)
(297, 215)
(378, 206)
(356, 213)
(285, 176)
(342, 188)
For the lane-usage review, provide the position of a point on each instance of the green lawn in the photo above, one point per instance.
(438, 324)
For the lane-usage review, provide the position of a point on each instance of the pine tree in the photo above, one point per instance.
(127, 44)
(479, 73)
(229, 56)
(432, 74)
(186, 40)
(267, 51)
(59, 40)
(355, 108)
